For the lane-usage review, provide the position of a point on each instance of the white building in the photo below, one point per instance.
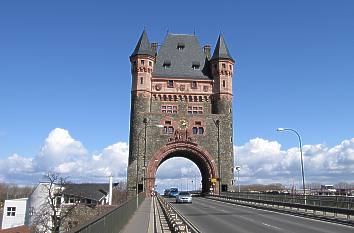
(24, 211)
(14, 213)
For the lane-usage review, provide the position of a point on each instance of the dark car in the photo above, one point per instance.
(166, 193)
(173, 192)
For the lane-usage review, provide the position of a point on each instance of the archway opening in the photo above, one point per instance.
(202, 160)
(178, 172)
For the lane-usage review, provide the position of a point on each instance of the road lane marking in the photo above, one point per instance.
(268, 225)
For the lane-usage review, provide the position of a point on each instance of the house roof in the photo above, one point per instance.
(177, 56)
(20, 229)
(221, 51)
(91, 191)
(143, 47)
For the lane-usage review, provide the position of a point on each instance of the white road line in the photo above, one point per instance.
(268, 225)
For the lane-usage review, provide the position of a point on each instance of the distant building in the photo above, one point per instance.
(19, 212)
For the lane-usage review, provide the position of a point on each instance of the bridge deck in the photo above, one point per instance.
(214, 216)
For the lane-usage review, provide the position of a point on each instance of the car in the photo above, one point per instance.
(166, 193)
(173, 192)
(184, 197)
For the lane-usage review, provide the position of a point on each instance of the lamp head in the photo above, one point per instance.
(280, 129)
(159, 126)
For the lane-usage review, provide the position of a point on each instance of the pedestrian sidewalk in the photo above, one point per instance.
(142, 219)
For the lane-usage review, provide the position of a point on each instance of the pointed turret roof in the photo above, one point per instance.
(143, 47)
(221, 51)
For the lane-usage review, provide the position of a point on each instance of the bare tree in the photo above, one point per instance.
(119, 193)
(52, 213)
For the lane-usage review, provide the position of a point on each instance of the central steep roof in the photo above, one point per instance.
(181, 56)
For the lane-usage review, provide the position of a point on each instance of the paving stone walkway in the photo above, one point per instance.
(140, 221)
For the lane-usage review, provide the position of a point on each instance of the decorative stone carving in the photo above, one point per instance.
(182, 136)
(158, 87)
(205, 88)
(182, 87)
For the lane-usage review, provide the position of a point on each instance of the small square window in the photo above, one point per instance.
(142, 62)
(170, 130)
(223, 65)
(230, 67)
(170, 83)
(194, 84)
(150, 63)
(11, 211)
(167, 122)
(198, 123)
(200, 130)
(195, 130)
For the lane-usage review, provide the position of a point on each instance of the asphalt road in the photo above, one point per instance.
(217, 217)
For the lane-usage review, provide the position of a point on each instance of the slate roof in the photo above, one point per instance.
(221, 50)
(90, 191)
(143, 47)
(181, 60)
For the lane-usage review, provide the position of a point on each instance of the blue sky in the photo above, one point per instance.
(65, 64)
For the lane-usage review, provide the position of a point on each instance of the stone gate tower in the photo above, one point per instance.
(181, 106)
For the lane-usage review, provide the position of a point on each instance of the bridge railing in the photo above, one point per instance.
(112, 221)
(334, 204)
(177, 222)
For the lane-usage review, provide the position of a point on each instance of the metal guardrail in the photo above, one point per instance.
(332, 204)
(112, 221)
(178, 223)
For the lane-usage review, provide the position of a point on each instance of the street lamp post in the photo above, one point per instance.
(301, 156)
(145, 121)
(238, 168)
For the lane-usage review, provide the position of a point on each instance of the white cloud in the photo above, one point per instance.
(261, 161)
(264, 161)
(63, 154)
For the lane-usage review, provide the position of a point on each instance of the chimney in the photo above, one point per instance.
(206, 49)
(154, 47)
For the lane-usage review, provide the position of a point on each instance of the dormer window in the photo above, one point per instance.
(195, 65)
(166, 64)
(180, 46)
(142, 62)
(223, 65)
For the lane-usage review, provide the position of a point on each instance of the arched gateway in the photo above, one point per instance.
(181, 107)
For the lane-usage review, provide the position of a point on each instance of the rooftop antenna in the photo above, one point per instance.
(194, 31)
